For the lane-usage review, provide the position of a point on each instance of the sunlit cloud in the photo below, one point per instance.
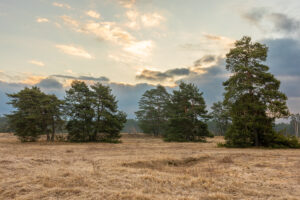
(32, 79)
(152, 19)
(42, 20)
(74, 51)
(127, 3)
(70, 21)
(92, 14)
(61, 5)
(141, 48)
(36, 62)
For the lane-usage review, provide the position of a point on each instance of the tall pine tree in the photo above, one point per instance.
(252, 96)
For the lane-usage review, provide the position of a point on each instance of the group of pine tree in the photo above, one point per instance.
(246, 116)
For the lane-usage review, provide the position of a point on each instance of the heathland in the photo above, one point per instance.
(144, 167)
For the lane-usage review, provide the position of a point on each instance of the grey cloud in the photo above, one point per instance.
(255, 15)
(161, 76)
(204, 60)
(284, 62)
(83, 78)
(50, 83)
(281, 22)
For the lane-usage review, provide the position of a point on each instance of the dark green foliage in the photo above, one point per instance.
(220, 117)
(252, 97)
(187, 115)
(92, 113)
(35, 114)
(79, 111)
(152, 114)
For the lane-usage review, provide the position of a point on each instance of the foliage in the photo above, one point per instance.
(252, 97)
(187, 115)
(92, 113)
(152, 115)
(34, 114)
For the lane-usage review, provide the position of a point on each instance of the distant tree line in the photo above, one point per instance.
(246, 116)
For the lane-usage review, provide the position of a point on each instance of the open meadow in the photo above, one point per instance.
(143, 168)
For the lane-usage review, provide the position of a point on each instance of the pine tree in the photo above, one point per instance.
(187, 115)
(34, 114)
(152, 114)
(108, 120)
(79, 111)
(252, 97)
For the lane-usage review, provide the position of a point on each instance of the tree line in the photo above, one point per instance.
(89, 114)
(246, 116)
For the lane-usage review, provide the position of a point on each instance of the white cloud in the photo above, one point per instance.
(92, 14)
(141, 48)
(70, 21)
(42, 20)
(61, 5)
(74, 51)
(152, 19)
(36, 62)
(109, 31)
(127, 3)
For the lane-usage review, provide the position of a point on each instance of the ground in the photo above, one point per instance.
(145, 168)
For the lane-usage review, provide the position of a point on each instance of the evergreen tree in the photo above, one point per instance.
(152, 114)
(34, 114)
(108, 120)
(252, 97)
(187, 115)
(220, 117)
(79, 111)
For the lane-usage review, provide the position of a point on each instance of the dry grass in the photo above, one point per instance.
(145, 168)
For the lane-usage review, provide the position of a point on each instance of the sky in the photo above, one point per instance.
(134, 45)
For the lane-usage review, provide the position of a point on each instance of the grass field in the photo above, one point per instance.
(145, 168)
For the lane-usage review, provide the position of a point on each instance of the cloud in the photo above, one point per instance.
(127, 3)
(36, 62)
(205, 60)
(284, 62)
(82, 78)
(152, 19)
(74, 51)
(284, 23)
(68, 20)
(157, 76)
(210, 44)
(109, 31)
(92, 14)
(279, 22)
(61, 5)
(50, 83)
(42, 20)
(142, 48)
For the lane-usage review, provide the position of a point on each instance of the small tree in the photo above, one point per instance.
(295, 120)
(220, 117)
(253, 98)
(152, 115)
(187, 115)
